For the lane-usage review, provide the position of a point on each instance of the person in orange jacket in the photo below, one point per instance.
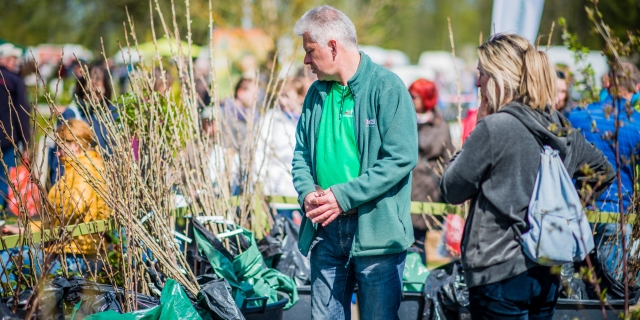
(76, 200)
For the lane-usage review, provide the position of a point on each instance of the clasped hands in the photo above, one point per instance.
(322, 207)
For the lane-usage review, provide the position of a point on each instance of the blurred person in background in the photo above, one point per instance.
(277, 141)
(220, 156)
(434, 150)
(203, 84)
(75, 199)
(563, 100)
(497, 168)
(91, 90)
(597, 123)
(469, 122)
(307, 78)
(240, 113)
(10, 57)
(162, 82)
(15, 114)
(604, 94)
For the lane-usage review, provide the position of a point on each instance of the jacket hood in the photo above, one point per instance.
(549, 128)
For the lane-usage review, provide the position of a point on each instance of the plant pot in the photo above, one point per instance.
(568, 309)
(412, 304)
(272, 311)
(302, 309)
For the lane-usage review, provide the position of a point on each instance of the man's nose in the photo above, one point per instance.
(307, 59)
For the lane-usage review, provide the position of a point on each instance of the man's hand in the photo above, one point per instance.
(327, 208)
(307, 202)
(12, 229)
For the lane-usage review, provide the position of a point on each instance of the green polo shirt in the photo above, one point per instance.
(337, 159)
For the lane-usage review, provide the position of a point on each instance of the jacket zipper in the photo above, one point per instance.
(341, 104)
(353, 244)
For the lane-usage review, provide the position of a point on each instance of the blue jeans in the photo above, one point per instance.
(9, 271)
(334, 275)
(9, 159)
(530, 295)
(609, 243)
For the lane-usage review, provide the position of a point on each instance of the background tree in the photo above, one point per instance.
(412, 26)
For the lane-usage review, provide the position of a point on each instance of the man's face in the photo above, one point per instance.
(319, 59)
(248, 94)
(9, 63)
(562, 93)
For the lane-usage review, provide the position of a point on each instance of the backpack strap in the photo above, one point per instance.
(517, 231)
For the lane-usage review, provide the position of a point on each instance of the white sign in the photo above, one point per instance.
(517, 16)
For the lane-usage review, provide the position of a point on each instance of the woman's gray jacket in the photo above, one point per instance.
(496, 168)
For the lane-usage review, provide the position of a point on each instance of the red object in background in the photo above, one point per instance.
(427, 91)
(469, 123)
(453, 228)
(29, 195)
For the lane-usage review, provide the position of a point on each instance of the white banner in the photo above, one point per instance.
(517, 16)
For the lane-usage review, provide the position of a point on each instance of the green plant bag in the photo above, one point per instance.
(246, 273)
(415, 273)
(174, 305)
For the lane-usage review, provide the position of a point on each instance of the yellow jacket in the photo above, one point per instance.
(76, 201)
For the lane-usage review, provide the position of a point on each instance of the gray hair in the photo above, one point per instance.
(328, 23)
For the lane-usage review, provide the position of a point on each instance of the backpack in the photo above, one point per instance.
(559, 231)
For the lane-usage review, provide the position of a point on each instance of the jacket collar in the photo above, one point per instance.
(359, 80)
(356, 83)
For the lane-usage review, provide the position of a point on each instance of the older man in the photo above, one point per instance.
(356, 146)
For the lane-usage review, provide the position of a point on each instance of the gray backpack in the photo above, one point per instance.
(560, 232)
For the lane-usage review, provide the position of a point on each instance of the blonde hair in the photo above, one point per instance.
(518, 71)
(79, 129)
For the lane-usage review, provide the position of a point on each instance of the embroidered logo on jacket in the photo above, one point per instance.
(370, 122)
(348, 114)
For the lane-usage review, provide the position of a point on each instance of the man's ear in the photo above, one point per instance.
(334, 48)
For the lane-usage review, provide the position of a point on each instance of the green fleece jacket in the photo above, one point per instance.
(387, 141)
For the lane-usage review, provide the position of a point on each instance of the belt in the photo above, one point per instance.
(350, 212)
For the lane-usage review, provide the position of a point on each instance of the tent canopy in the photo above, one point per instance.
(148, 50)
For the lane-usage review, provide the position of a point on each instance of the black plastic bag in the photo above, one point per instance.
(215, 296)
(61, 292)
(614, 288)
(198, 263)
(99, 303)
(215, 242)
(6, 314)
(23, 304)
(53, 293)
(271, 250)
(291, 261)
(445, 292)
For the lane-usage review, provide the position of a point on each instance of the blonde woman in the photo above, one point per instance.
(74, 196)
(496, 169)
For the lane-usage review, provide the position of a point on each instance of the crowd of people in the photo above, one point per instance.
(357, 146)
